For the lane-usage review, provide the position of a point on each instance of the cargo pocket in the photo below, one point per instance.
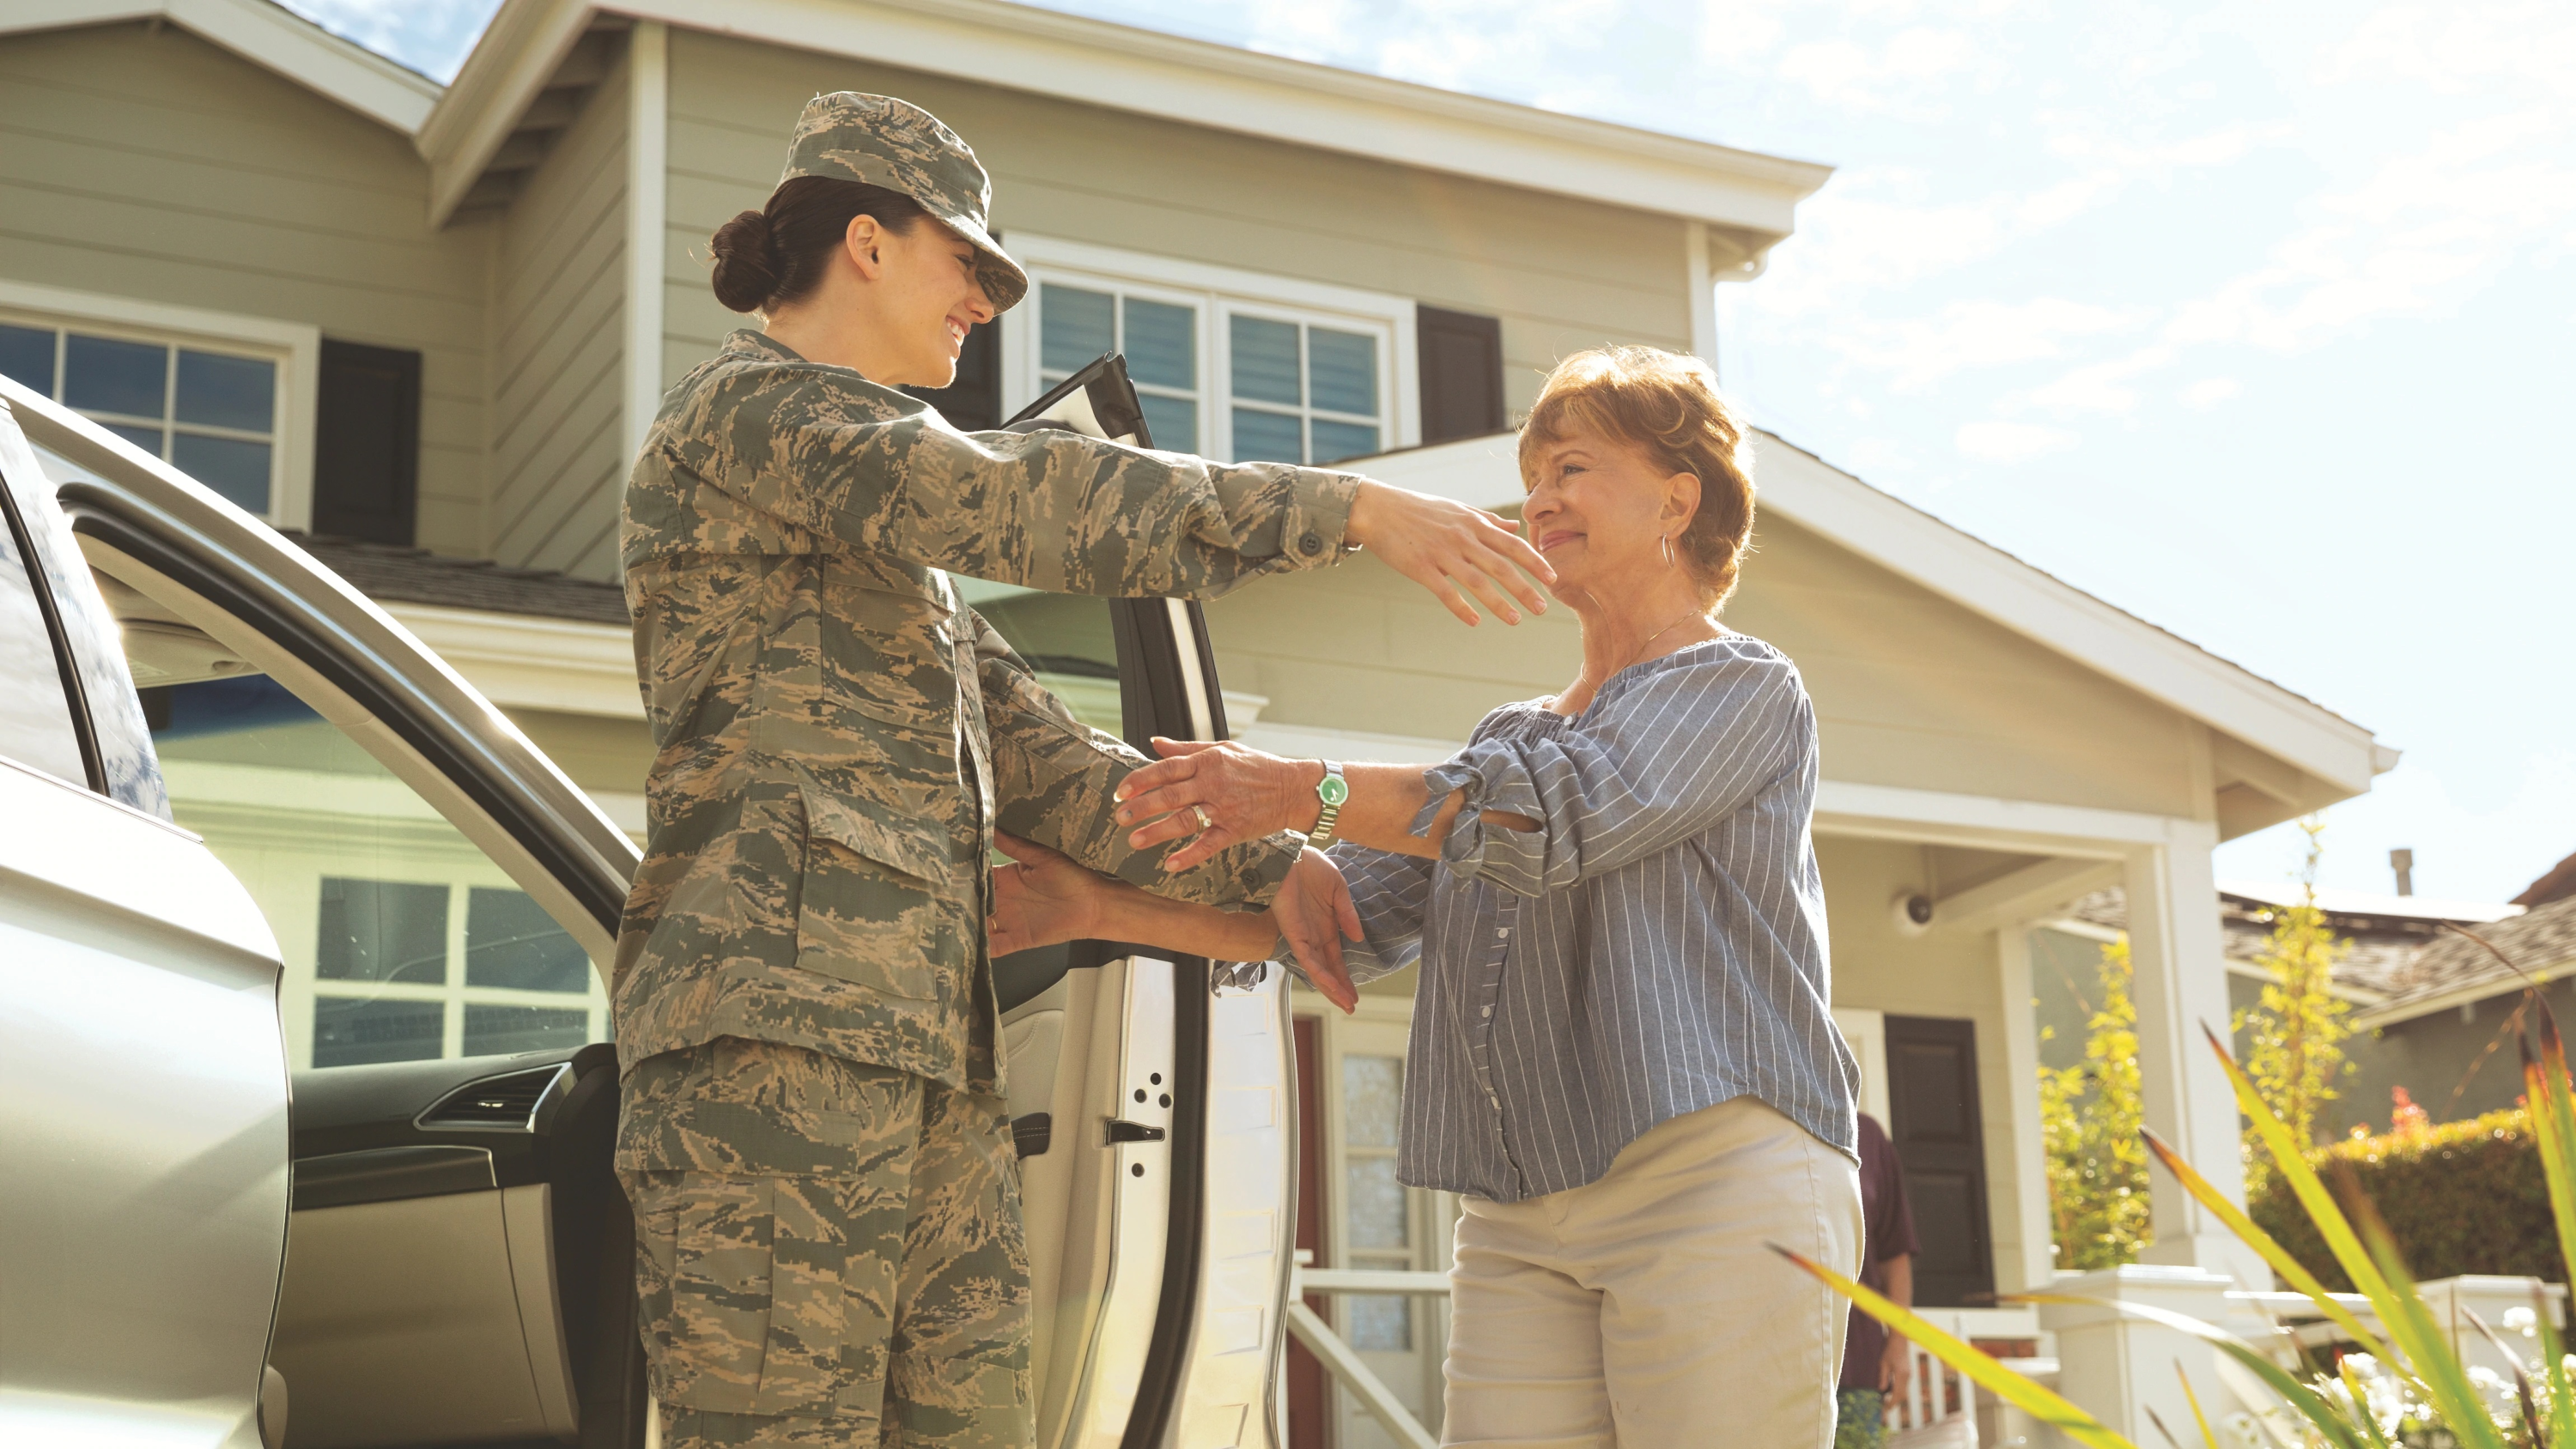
(879, 905)
(758, 1296)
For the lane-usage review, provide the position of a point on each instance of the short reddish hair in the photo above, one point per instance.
(1666, 404)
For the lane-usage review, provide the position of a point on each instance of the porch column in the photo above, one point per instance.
(2175, 945)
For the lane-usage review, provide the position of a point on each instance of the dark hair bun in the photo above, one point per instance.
(747, 262)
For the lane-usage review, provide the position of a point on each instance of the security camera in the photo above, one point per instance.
(1913, 912)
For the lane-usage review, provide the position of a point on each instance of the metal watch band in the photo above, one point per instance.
(1332, 790)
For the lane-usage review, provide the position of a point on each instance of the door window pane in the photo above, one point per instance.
(510, 941)
(1380, 1322)
(402, 940)
(111, 375)
(1372, 1099)
(494, 1030)
(234, 467)
(27, 357)
(1376, 1203)
(381, 930)
(226, 392)
(35, 715)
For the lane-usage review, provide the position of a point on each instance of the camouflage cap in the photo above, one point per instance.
(897, 145)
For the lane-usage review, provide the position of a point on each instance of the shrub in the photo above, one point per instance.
(2463, 1197)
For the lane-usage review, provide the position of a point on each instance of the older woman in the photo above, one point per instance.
(1621, 1051)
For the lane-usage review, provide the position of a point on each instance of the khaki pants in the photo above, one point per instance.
(1644, 1310)
(827, 1253)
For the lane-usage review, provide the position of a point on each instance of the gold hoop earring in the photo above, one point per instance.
(1667, 541)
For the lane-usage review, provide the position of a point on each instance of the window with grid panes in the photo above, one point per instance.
(212, 414)
(1376, 1206)
(1159, 338)
(1302, 392)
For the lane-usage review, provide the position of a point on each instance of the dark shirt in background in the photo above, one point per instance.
(1888, 1232)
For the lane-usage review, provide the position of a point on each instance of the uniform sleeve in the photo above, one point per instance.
(1053, 510)
(1663, 762)
(1055, 780)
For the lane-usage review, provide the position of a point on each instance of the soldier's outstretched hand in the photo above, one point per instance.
(1448, 547)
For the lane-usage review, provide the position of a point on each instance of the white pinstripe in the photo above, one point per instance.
(1666, 947)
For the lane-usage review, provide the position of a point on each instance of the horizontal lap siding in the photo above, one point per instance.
(558, 350)
(158, 167)
(1560, 274)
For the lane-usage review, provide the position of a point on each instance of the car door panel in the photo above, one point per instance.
(142, 1213)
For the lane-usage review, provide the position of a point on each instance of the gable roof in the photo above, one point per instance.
(2455, 969)
(1749, 196)
(268, 35)
(1967, 570)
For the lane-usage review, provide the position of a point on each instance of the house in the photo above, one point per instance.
(428, 324)
(2432, 1010)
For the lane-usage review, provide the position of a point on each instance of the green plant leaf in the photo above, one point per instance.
(2033, 1399)
(2290, 1156)
(2245, 1228)
(2428, 1349)
(2361, 1401)
(2553, 1124)
(2553, 1368)
(2207, 1439)
(2312, 1406)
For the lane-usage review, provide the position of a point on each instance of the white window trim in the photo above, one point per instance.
(1216, 291)
(295, 347)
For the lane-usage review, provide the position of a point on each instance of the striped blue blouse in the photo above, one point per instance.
(1655, 947)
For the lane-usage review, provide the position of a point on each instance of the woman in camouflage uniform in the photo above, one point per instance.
(814, 1135)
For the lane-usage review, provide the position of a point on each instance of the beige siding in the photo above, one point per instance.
(558, 350)
(1910, 689)
(153, 165)
(1561, 276)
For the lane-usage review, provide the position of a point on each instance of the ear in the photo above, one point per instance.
(864, 244)
(1681, 501)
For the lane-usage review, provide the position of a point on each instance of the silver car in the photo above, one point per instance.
(306, 1096)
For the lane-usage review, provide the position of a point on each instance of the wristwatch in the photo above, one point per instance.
(1332, 790)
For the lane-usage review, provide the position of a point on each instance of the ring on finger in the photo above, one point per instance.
(1205, 821)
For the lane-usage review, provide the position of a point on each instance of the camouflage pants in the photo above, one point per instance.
(827, 1252)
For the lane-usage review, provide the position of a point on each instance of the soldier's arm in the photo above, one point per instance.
(1055, 779)
(1053, 510)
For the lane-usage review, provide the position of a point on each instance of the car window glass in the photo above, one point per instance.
(35, 715)
(402, 940)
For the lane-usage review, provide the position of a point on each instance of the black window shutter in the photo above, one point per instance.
(366, 443)
(973, 403)
(1462, 374)
(1940, 1143)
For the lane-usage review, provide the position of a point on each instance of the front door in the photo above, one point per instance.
(1935, 1124)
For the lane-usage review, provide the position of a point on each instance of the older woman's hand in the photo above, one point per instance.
(1314, 914)
(1219, 791)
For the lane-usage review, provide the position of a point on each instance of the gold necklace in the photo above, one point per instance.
(1659, 633)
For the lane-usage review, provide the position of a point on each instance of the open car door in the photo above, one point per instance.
(459, 1263)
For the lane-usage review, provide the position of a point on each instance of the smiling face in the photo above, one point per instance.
(1598, 510)
(927, 296)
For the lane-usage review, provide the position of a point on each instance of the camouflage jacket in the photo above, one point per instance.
(837, 735)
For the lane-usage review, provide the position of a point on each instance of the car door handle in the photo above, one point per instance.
(1125, 1131)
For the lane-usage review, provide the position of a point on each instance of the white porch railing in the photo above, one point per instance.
(1936, 1410)
(1339, 1358)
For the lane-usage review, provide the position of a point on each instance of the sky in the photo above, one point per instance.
(2257, 321)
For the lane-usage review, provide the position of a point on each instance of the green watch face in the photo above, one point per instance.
(1333, 791)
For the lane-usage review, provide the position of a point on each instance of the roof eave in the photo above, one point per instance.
(267, 35)
(1751, 198)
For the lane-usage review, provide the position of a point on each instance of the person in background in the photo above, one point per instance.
(1874, 1359)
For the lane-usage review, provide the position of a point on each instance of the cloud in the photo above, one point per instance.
(431, 36)
(1906, 76)
(2002, 442)
(1916, 352)
(2209, 392)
